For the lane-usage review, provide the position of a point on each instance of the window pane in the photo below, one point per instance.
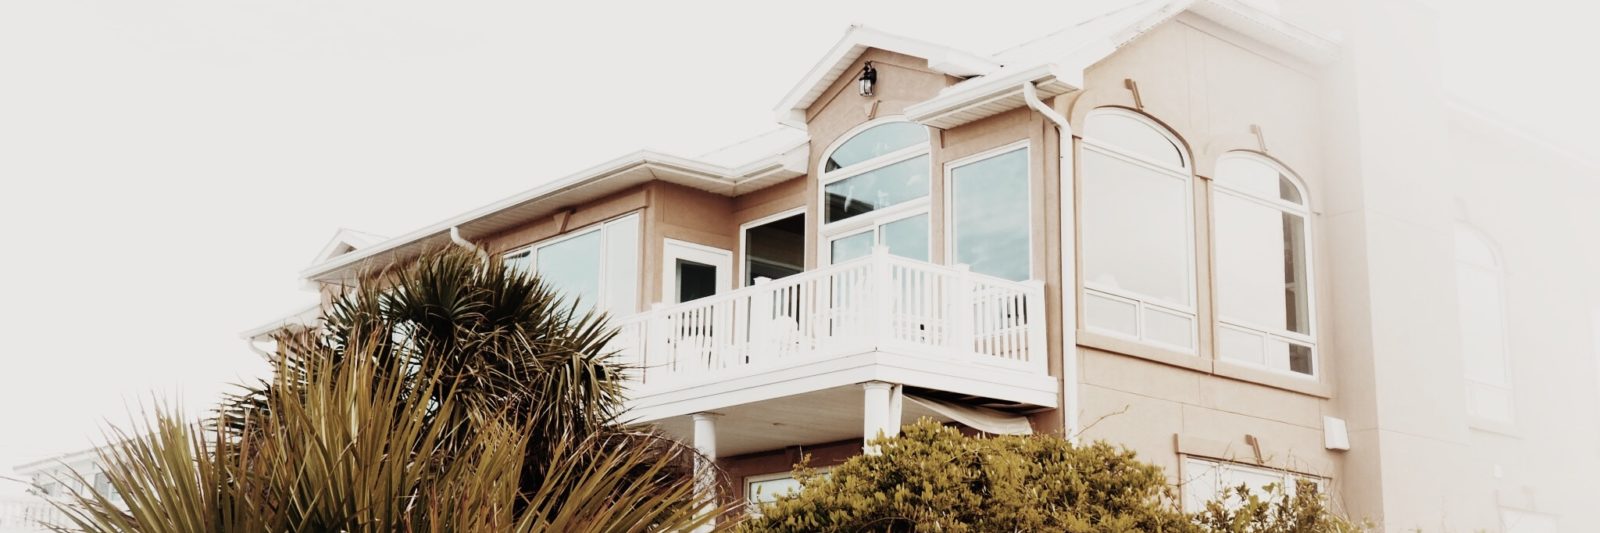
(1134, 136)
(622, 266)
(1261, 265)
(695, 280)
(1136, 229)
(1110, 314)
(1482, 324)
(776, 249)
(884, 187)
(572, 267)
(1256, 178)
(1241, 346)
(1169, 328)
(907, 237)
(847, 248)
(990, 218)
(876, 141)
(519, 260)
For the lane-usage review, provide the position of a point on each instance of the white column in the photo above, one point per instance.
(879, 413)
(705, 472)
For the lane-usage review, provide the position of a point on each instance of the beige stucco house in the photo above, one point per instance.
(1250, 241)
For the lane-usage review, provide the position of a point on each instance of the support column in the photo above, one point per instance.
(705, 470)
(881, 413)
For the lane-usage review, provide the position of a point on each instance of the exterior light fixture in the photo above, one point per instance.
(869, 77)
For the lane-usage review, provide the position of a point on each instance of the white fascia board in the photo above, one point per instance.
(1269, 28)
(304, 317)
(943, 59)
(944, 111)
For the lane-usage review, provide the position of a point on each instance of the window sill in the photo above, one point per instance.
(1268, 378)
(1497, 427)
(1132, 348)
(1308, 386)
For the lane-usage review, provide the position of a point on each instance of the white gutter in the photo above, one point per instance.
(1069, 265)
(455, 237)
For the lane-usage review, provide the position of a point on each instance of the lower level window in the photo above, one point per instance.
(767, 488)
(1206, 480)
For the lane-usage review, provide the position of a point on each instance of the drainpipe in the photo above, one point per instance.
(1069, 265)
(455, 237)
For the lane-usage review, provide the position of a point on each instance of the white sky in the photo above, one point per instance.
(168, 166)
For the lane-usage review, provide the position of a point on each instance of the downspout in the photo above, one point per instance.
(1069, 265)
(455, 237)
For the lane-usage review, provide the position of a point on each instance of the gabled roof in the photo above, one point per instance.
(791, 111)
(1055, 63)
(345, 241)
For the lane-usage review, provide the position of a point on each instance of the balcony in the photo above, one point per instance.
(813, 337)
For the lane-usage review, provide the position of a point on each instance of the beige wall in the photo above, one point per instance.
(1210, 87)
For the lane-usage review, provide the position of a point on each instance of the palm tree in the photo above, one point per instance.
(447, 394)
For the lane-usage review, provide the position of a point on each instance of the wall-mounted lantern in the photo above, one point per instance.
(869, 77)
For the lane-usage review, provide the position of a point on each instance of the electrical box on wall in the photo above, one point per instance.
(1334, 434)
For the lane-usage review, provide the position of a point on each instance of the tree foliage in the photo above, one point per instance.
(447, 395)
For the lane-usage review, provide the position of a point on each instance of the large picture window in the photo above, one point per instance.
(875, 190)
(989, 215)
(1480, 303)
(1137, 228)
(597, 266)
(1262, 272)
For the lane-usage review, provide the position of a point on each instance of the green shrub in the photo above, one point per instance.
(933, 478)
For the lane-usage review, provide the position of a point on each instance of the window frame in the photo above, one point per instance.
(743, 259)
(1187, 475)
(532, 249)
(1302, 209)
(827, 231)
(1024, 145)
(1498, 271)
(1186, 174)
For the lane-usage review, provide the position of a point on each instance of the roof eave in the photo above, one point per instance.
(989, 97)
(945, 60)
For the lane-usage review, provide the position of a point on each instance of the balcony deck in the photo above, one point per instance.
(877, 318)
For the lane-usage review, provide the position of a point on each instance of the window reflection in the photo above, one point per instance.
(990, 217)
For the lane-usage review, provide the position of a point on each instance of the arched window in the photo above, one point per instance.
(875, 191)
(1263, 272)
(1137, 229)
(1480, 302)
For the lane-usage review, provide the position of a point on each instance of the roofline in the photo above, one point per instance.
(791, 110)
(298, 317)
(734, 180)
(982, 98)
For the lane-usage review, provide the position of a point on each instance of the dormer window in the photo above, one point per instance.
(875, 192)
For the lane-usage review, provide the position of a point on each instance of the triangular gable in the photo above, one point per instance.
(856, 41)
(344, 242)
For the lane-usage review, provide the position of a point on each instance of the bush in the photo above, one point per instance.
(933, 478)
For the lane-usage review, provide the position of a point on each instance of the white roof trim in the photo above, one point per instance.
(791, 110)
(665, 167)
(303, 318)
(356, 240)
(984, 97)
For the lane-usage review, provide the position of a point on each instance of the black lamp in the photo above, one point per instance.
(869, 76)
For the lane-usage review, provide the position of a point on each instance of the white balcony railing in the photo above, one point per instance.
(876, 303)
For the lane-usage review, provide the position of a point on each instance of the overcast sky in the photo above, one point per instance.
(168, 166)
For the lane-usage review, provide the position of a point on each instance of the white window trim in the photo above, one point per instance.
(744, 245)
(1185, 174)
(1026, 147)
(1244, 326)
(532, 250)
(827, 232)
(717, 258)
(757, 478)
